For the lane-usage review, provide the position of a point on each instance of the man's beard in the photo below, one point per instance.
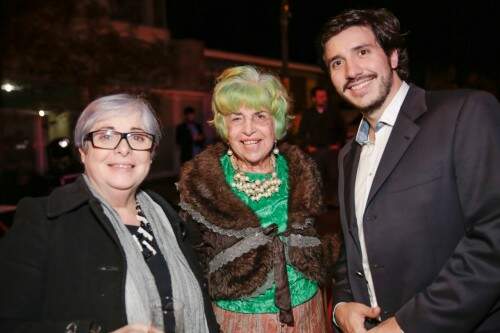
(386, 84)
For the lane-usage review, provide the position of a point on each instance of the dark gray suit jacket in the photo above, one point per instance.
(432, 220)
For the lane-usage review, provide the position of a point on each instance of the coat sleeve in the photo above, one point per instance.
(341, 288)
(330, 245)
(315, 262)
(468, 285)
(195, 239)
(23, 261)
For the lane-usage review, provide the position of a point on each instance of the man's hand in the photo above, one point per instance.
(387, 326)
(351, 316)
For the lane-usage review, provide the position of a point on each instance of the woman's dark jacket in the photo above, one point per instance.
(225, 222)
(62, 263)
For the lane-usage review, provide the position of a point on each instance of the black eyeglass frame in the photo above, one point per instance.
(90, 137)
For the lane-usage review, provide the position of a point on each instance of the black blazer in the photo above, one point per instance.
(62, 263)
(432, 220)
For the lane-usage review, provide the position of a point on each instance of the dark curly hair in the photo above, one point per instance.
(384, 25)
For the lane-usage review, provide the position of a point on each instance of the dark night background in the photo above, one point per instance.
(60, 66)
(464, 35)
(451, 45)
(440, 33)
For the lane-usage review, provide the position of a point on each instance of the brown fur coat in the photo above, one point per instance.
(205, 194)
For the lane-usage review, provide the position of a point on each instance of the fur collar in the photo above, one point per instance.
(203, 186)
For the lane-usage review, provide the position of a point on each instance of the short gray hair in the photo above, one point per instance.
(111, 105)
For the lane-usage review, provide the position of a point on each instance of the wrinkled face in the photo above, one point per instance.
(360, 70)
(250, 134)
(320, 98)
(121, 169)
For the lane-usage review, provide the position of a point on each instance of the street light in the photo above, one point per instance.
(9, 87)
(63, 143)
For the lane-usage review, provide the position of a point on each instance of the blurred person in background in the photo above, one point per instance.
(189, 135)
(321, 134)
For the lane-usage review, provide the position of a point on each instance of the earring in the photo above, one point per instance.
(229, 152)
(276, 151)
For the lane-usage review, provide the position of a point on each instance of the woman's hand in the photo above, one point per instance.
(137, 328)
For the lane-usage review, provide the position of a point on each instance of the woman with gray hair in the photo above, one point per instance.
(100, 254)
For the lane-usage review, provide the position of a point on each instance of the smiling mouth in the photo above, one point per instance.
(250, 142)
(121, 166)
(359, 83)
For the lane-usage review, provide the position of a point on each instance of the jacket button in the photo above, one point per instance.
(71, 328)
(109, 268)
(95, 328)
(370, 218)
(360, 274)
(468, 230)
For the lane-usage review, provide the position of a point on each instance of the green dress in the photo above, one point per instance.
(269, 210)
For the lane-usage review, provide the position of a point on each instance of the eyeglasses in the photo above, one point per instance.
(110, 139)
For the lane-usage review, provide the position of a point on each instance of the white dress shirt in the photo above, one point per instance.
(371, 153)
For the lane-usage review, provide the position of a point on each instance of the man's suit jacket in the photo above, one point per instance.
(432, 220)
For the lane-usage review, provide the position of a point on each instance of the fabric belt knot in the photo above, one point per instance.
(282, 296)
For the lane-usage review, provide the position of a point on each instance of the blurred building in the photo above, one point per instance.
(99, 47)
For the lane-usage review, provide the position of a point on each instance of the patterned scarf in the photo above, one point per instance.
(141, 294)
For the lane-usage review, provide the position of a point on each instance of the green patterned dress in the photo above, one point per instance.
(269, 210)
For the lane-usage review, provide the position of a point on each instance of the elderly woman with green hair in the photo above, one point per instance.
(253, 203)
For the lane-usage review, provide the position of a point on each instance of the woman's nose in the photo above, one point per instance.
(248, 127)
(123, 147)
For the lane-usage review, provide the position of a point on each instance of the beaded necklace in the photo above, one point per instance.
(144, 237)
(257, 189)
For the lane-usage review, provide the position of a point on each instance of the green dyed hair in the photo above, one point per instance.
(245, 86)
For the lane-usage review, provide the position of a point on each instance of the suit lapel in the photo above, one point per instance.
(350, 167)
(402, 136)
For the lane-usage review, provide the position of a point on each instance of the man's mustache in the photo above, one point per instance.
(355, 80)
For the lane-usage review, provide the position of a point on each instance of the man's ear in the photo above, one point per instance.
(394, 59)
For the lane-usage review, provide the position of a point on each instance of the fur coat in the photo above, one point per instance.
(236, 253)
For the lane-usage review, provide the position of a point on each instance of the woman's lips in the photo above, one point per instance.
(121, 165)
(250, 142)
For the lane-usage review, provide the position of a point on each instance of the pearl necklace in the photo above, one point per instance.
(257, 189)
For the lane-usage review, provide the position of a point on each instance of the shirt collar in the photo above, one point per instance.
(388, 117)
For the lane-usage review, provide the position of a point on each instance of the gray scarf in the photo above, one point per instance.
(142, 299)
